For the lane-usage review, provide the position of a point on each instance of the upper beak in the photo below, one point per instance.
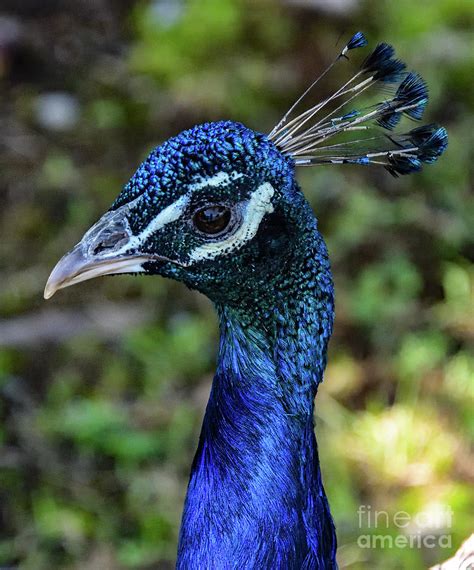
(74, 267)
(105, 249)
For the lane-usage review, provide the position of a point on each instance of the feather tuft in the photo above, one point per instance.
(389, 120)
(382, 53)
(413, 93)
(381, 65)
(358, 40)
(432, 141)
(305, 137)
(390, 71)
(401, 165)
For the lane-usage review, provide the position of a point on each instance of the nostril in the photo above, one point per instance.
(99, 247)
(109, 240)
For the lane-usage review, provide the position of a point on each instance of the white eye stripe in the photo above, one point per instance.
(175, 210)
(169, 214)
(256, 208)
(219, 179)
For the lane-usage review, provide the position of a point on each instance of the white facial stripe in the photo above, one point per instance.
(256, 208)
(219, 179)
(173, 212)
(170, 214)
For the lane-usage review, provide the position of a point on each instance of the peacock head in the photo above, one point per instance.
(217, 206)
(208, 207)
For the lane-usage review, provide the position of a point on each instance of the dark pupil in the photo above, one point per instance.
(212, 220)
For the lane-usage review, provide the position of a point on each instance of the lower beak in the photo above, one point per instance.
(75, 267)
(107, 248)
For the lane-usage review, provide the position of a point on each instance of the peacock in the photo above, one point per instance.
(218, 208)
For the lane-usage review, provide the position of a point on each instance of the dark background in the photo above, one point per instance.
(102, 389)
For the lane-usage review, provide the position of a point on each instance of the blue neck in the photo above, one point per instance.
(255, 498)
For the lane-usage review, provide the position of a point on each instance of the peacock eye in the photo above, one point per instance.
(212, 219)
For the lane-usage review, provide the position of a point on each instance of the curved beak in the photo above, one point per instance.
(109, 247)
(75, 267)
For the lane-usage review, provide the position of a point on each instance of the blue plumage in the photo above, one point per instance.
(389, 119)
(218, 208)
(381, 65)
(431, 139)
(255, 498)
(358, 40)
(413, 93)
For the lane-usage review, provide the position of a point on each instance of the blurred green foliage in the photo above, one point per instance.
(102, 390)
